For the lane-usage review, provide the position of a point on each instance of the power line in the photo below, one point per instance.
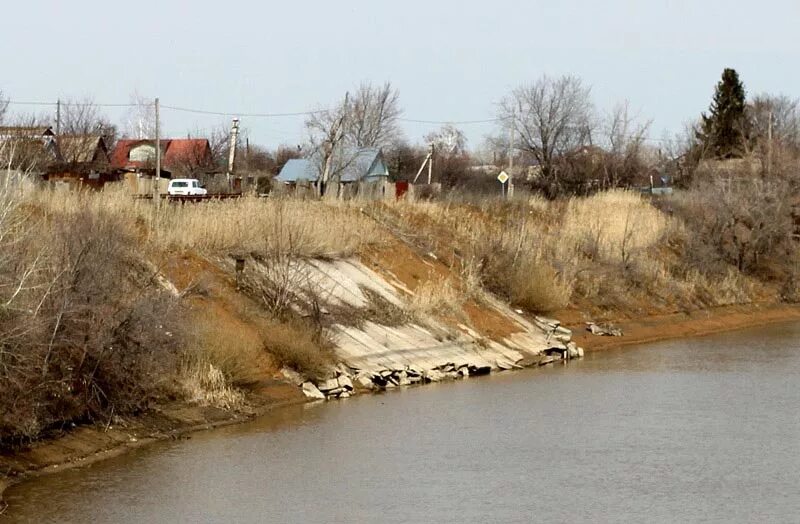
(267, 115)
(250, 115)
(453, 122)
(70, 104)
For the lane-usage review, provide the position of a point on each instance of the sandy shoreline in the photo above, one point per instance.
(682, 325)
(88, 444)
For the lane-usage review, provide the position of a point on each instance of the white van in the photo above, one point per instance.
(185, 186)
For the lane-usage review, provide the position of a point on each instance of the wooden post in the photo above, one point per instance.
(156, 196)
(510, 190)
(430, 163)
(232, 150)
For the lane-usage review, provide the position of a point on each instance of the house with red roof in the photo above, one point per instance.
(179, 156)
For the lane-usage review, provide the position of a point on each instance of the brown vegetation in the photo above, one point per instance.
(97, 319)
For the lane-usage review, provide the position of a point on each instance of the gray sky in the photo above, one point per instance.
(451, 60)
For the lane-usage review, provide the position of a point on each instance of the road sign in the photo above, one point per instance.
(503, 177)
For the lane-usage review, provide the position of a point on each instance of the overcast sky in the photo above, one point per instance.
(451, 60)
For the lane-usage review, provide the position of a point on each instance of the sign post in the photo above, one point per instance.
(503, 178)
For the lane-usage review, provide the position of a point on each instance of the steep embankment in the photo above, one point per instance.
(382, 337)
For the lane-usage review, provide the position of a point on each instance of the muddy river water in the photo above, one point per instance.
(704, 429)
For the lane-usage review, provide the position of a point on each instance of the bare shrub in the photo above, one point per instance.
(538, 288)
(85, 331)
(229, 346)
(742, 222)
(300, 346)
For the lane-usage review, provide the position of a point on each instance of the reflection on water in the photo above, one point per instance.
(693, 430)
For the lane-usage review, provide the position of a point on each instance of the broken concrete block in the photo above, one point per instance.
(572, 350)
(363, 380)
(433, 375)
(292, 376)
(343, 370)
(328, 385)
(311, 391)
(546, 360)
(402, 379)
(502, 364)
(335, 392)
(345, 382)
(603, 330)
(344, 394)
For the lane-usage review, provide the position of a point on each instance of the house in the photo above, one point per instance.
(82, 149)
(28, 147)
(83, 162)
(366, 165)
(299, 170)
(183, 156)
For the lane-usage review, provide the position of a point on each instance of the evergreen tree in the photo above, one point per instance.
(724, 130)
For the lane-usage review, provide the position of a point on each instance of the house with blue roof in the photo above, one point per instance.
(366, 165)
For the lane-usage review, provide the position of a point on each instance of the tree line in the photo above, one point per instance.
(561, 143)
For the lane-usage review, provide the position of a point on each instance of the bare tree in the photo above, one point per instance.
(626, 144)
(82, 117)
(327, 135)
(81, 123)
(140, 122)
(775, 122)
(373, 118)
(551, 117)
(367, 119)
(448, 140)
(3, 106)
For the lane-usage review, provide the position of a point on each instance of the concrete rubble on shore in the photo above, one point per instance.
(374, 356)
(603, 330)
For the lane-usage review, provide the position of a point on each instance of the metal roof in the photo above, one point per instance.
(298, 169)
(366, 163)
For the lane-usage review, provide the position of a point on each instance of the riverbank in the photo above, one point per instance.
(85, 445)
(683, 325)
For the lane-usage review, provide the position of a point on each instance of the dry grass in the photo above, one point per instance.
(300, 346)
(302, 228)
(612, 251)
(613, 226)
(207, 385)
(437, 297)
(233, 348)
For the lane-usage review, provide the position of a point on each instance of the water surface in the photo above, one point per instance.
(705, 429)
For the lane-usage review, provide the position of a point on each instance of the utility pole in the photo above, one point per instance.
(158, 156)
(769, 144)
(430, 163)
(511, 147)
(330, 147)
(232, 149)
(58, 117)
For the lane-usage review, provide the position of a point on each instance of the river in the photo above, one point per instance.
(703, 429)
